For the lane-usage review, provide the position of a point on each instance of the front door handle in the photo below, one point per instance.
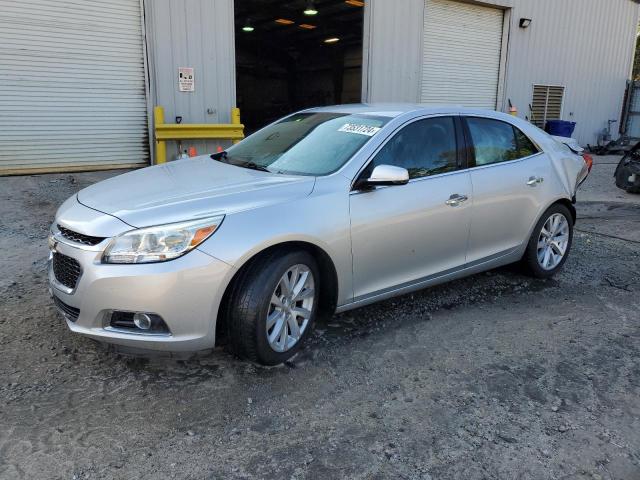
(533, 181)
(456, 199)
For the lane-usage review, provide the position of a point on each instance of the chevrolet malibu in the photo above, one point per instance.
(326, 210)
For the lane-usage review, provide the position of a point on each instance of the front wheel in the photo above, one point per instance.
(274, 307)
(550, 242)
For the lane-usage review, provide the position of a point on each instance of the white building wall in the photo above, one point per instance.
(392, 50)
(585, 45)
(198, 34)
(73, 94)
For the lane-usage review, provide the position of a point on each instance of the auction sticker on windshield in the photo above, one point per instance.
(367, 130)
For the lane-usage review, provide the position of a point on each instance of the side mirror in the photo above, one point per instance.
(384, 175)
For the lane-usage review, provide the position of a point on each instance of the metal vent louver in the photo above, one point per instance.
(546, 104)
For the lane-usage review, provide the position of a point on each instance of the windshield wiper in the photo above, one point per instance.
(223, 156)
(254, 166)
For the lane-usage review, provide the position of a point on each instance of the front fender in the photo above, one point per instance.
(321, 220)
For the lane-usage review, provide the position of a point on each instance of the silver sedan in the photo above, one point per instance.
(325, 210)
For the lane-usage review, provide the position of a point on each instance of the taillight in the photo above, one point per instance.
(588, 160)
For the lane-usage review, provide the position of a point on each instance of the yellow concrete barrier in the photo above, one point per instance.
(233, 131)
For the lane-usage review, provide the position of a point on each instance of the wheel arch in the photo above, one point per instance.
(562, 201)
(569, 204)
(328, 279)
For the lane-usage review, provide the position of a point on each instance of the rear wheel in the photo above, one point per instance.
(274, 306)
(550, 242)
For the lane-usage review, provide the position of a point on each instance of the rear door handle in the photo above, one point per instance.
(533, 181)
(456, 199)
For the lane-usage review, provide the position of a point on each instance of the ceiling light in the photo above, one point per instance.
(332, 40)
(306, 26)
(310, 9)
(247, 26)
(284, 21)
(355, 3)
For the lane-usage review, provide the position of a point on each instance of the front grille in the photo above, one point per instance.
(79, 237)
(72, 313)
(66, 270)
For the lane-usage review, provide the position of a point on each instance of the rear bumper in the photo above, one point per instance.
(185, 292)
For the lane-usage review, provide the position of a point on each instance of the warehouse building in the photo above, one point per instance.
(79, 78)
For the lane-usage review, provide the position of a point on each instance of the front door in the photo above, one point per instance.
(402, 234)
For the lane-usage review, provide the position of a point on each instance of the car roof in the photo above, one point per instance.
(396, 109)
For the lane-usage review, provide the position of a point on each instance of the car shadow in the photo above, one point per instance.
(412, 308)
(345, 330)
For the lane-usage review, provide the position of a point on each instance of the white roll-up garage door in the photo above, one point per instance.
(461, 56)
(72, 85)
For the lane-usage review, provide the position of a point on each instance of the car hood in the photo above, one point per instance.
(191, 188)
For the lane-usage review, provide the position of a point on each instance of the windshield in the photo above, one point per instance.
(306, 143)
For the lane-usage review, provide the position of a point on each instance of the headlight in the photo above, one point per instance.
(161, 243)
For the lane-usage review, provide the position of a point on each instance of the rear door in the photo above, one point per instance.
(509, 190)
(403, 234)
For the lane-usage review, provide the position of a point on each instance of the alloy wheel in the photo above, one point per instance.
(290, 308)
(553, 241)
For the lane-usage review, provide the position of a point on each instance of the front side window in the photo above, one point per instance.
(316, 143)
(495, 141)
(425, 147)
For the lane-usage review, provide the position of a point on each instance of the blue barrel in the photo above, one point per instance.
(560, 128)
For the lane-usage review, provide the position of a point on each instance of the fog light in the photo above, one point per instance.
(142, 321)
(138, 322)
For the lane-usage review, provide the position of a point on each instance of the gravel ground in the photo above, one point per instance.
(497, 376)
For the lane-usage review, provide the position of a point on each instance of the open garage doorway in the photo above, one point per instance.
(296, 54)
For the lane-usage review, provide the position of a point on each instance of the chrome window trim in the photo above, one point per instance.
(535, 144)
(391, 135)
(414, 180)
(507, 162)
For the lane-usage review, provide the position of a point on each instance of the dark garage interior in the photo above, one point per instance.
(296, 54)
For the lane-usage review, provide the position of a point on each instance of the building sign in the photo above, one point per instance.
(185, 79)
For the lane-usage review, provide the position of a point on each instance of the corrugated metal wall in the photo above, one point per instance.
(585, 45)
(72, 85)
(198, 34)
(394, 50)
(462, 54)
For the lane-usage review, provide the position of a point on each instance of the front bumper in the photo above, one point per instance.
(185, 292)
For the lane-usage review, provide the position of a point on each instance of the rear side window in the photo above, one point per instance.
(424, 147)
(495, 141)
(526, 147)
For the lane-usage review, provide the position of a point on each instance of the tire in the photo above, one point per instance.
(628, 166)
(535, 260)
(251, 304)
(622, 174)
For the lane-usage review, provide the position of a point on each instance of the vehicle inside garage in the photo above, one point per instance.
(296, 54)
